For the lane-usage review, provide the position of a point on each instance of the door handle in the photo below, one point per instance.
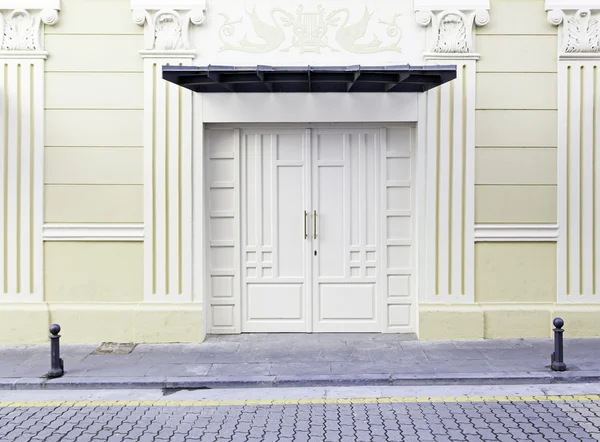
(305, 231)
(315, 225)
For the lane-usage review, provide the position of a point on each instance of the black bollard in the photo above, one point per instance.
(56, 363)
(557, 357)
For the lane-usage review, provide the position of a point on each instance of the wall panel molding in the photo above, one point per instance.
(93, 232)
(516, 232)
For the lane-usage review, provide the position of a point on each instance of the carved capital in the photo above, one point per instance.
(580, 31)
(453, 30)
(167, 30)
(22, 30)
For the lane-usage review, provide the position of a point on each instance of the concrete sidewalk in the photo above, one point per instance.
(300, 359)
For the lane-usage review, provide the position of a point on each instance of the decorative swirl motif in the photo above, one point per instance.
(138, 16)
(49, 16)
(482, 17)
(423, 18)
(197, 16)
(555, 17)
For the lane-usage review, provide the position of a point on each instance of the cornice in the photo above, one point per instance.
(440, 5)
(167, 23)
(572, 4)
(30, 4)
(452, 23)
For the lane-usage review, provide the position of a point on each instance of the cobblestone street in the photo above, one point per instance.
(373, 417)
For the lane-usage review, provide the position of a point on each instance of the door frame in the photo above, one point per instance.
(240, 110)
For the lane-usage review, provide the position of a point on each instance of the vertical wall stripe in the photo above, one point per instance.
(444, 192)
(3, 153)
(579, 195)
(431, 288)
(160, 183)
(168, 186)
(456, 233)
(174, 154)
(596, 182)
(149, 135)
(469, 88)
(25, 166)
(185, 192)
(450, 211)
(21, 177)
(13, 177)
(37, 128)
(587, 177)
(563, 170)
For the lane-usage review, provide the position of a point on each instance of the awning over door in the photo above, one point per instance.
(402, 78)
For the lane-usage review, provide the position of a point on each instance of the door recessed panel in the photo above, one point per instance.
(290, 221)
(330, 222)
(347, 302)
(346, 195)
(275, 250)
(275, 302)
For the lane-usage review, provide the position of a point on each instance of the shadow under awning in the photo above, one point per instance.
(402, 78)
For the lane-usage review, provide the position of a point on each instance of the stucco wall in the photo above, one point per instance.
(94, 156)
(516, 115)
(516, 140)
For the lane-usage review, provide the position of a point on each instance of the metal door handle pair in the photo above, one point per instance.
(314, 225)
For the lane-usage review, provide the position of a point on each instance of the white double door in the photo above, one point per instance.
(310, 230)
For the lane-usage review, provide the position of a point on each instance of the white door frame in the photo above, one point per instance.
(310, 109)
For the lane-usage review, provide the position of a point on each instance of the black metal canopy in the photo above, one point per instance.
(404, 78)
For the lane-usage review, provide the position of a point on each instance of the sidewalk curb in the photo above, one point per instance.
(205, 382)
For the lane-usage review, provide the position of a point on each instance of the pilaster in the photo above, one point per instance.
(578, 138)
(22, 58)
(167, 150)
(448, 276)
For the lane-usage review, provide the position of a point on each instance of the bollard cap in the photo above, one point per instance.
(55, 329)
(558, 322)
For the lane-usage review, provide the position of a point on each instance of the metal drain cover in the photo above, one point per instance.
(114, 348)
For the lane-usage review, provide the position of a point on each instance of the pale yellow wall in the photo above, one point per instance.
(93, 271)
(515, 272)
(516, 115)
(94, 114)
(506, 320)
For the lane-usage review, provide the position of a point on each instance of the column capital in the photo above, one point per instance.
(22, 27)
(167, 26)
(453, 26)
(579, 23)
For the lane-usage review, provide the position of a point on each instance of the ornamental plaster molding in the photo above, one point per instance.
(22, 30)
(167, 25)
(453, 30)
(580, 28)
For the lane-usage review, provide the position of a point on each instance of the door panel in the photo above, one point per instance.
(346, 191)
(274, 248)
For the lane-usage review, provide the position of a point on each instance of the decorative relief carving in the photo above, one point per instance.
(168, 30)
(453, 30)
(21, 30)
(581, 31)
(310, 31)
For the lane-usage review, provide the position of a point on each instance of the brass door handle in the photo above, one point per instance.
(305, 231)
(315, 225)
